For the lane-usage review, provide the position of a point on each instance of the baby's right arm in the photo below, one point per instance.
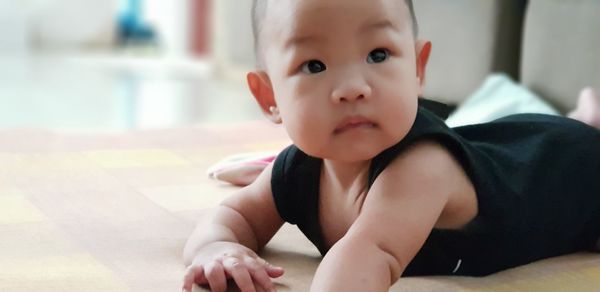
(225, 242)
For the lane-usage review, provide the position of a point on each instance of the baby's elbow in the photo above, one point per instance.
(395, 261)
(379, 252)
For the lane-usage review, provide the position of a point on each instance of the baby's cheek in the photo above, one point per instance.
(308, 135)
(301, 87)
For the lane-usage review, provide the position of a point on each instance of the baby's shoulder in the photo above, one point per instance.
(425, 160)
(428, 168)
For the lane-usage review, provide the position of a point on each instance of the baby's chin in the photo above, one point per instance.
(349, 153)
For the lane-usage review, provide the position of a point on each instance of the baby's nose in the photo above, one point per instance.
(351, 89)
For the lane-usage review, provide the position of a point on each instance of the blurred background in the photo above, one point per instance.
(114, 65)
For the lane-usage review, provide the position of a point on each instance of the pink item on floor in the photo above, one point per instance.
(241, 169)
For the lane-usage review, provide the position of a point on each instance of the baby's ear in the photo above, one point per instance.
(259, 84)
(423, 49)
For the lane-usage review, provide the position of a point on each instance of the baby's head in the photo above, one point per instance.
(343, 76)
(259, 11)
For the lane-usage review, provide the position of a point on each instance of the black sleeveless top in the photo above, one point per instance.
(537, 180)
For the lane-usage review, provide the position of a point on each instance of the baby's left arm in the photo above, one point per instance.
(400, 210)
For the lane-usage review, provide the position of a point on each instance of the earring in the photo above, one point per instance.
(274, 110)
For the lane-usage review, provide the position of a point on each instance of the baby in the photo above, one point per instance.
(382, 187)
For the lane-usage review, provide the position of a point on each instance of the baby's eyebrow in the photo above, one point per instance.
(379, 24)
(299, 40)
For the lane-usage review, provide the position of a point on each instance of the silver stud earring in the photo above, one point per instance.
(274, 110)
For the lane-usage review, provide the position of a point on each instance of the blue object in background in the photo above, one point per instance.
(131, 28)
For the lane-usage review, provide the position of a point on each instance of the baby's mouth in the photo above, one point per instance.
(354, 122)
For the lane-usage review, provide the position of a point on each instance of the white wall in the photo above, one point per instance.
(65, 24)
(233, 41)
(14, 25)
(172, 18)
(76, 24)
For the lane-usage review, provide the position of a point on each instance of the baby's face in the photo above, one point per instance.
(343, 73)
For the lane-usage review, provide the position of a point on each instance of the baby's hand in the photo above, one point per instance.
(220, 261)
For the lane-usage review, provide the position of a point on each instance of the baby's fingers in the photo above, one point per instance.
(273, 271)
(192, 273)
(260, 276)
(239, 273)
(215, 275)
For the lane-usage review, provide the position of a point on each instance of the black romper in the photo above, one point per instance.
(537, 180)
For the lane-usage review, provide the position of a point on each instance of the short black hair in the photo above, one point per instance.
(259, 11)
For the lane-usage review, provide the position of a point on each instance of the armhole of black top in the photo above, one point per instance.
(279, 180)
(442, 110)
(427, 126)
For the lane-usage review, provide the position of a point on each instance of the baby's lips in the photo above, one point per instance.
(353, 122)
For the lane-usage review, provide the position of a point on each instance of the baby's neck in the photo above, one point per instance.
(345, 175)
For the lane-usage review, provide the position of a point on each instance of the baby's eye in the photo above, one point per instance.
(378, 56)
(313, 67)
